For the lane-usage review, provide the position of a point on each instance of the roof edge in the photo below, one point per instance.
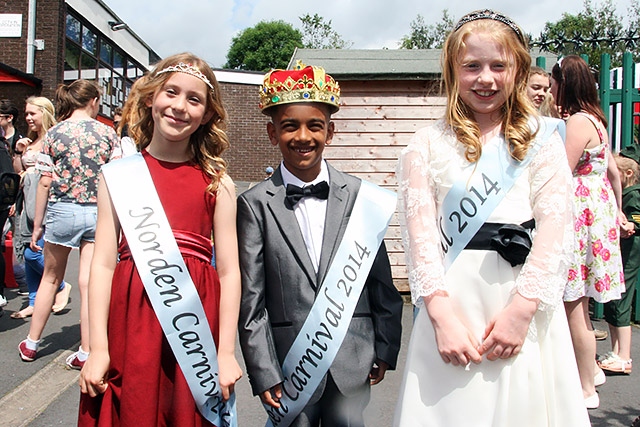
(28, 79)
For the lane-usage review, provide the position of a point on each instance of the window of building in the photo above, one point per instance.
(73, 29)
(92, 56)
(88, 67)
(71, 62)
(105, 51)
(89, 41)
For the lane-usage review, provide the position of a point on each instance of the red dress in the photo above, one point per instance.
(146, 385)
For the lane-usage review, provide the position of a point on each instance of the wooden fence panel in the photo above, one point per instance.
(376, 121)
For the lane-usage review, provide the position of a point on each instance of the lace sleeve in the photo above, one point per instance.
(417, 214)
(544, 274)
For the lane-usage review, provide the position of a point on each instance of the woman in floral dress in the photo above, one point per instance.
(596, 267)
(72, 153)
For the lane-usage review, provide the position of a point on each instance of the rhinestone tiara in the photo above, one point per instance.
(190, 69)
(493, 15)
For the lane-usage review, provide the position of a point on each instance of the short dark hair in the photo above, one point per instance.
(7, 107)
(272, 111)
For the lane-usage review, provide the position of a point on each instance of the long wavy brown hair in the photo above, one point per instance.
(577, 90)
(73, 96)
(516, 110)
(207, 143)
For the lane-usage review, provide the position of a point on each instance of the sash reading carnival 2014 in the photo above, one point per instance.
(321, 336)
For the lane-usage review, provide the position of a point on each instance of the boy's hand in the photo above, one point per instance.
(377, 371)
(272, 396)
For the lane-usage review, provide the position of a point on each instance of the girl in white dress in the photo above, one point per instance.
(490, 345)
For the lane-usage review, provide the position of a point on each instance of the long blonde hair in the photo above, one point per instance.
(516, 110)
(48, 114)
(208, 142)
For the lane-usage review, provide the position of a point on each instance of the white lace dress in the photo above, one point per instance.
(540, 386)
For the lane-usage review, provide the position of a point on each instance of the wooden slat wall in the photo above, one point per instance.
(376, 120)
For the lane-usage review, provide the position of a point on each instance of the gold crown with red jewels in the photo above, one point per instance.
(302, 84)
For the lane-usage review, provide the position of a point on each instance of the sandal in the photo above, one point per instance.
(614, 364)
(64, 293)
(23, 314)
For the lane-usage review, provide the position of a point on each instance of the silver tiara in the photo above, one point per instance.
(490, 14)
(192, 70)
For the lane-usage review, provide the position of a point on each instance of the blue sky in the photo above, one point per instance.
(206, 27)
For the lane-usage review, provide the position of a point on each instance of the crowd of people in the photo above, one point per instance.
(514, 213)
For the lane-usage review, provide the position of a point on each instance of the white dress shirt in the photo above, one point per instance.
(310, 212)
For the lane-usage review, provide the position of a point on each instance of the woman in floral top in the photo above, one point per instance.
(596, 267)
(72, 154)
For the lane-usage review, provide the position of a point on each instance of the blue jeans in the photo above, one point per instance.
(33, 269)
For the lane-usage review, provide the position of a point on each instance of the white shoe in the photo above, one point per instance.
(600, 378)
(3, 301)
(592, 402)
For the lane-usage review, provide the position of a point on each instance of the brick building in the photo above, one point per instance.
(47, 42)
(250, 152)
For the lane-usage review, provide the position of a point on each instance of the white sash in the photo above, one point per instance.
(168, 284)
(472, 199)
(321, 336)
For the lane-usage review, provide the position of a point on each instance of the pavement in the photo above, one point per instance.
(45, 392)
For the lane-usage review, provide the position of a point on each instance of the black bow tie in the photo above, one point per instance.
(295, 193)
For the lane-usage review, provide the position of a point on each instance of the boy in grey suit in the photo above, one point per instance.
(289, 228)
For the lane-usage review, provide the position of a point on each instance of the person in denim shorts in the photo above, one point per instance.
(72, 154)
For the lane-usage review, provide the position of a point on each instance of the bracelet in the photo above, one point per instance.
(19, 153)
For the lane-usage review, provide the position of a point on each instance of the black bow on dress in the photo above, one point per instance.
(513, 243)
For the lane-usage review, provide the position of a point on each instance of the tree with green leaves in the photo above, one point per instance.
(427, 36)
(267, 45)
(319, 34)
(597, 29)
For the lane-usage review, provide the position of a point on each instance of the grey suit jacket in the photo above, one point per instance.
(279, 286)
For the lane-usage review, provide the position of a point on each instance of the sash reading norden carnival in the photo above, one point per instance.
(168, 284)
(321, 336)
(472, 199)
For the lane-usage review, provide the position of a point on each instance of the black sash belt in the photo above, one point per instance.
(511, 241)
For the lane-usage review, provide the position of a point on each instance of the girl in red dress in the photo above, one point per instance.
(132, 376)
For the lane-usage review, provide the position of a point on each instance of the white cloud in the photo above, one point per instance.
(206, 27)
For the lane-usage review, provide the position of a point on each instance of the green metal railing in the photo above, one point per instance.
(627, 96)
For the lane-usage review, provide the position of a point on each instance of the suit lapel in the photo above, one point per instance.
(288, 225)
(336, 220)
